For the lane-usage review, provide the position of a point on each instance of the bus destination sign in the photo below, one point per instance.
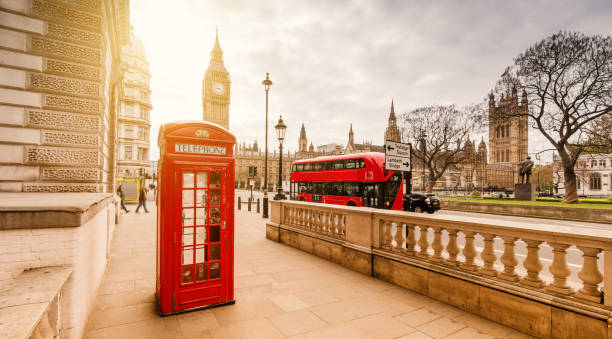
(200, 149)
(397, 156)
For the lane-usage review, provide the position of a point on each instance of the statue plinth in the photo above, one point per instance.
(524, 192)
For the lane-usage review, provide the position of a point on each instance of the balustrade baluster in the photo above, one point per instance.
(559, 270)
(334, 221)
(532, 264)
(437, 245)
(386, 236)
(509, 260)
(423, 243)
(399, 237)
(469, 252)
(488, 256)
(324, 221)
(452, 248)
(410, 239)
(590, 275)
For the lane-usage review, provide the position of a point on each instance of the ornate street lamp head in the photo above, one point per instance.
(267, 82)
(281, 128)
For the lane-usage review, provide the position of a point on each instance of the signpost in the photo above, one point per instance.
(398, 157)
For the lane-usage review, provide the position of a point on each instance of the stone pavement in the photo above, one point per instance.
(280, 292)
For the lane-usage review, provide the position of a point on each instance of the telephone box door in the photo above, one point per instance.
(200, 228)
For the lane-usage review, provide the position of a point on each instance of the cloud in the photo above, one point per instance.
(339, 62)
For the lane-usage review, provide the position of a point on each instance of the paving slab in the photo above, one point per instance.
(280, 292)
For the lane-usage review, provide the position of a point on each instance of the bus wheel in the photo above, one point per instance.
(418, 209)
(351, 203)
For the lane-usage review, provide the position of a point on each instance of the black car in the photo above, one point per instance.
(421, 202)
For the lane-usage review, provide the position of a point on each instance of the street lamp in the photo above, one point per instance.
(267, 83)
(423, 150)
(280, 128)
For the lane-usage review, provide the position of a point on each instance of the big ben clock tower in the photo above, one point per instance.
(216, 88)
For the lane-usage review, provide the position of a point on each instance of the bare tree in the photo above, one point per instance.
(568, 81)
(444, 130)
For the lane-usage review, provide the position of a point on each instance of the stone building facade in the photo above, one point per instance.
(59, 90)
(134, 111)
(216, 88)
(593, 175)
(508, 133)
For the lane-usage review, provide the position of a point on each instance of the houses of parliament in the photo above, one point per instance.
(480, 167)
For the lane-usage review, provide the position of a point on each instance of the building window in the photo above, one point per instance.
(127, 152)
(578, 180)
(128, 131)
(593, 163)
(595, 181)
(507, 131)
(142, 153)
(507, 155)
(602, 163)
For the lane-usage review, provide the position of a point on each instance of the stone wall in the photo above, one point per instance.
(58, 70)
(74, 230)
(567, 213)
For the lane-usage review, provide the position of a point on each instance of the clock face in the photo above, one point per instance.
(218, 88)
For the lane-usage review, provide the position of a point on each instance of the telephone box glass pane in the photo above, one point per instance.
(215, 270)
(200, 254)
(188, 179)
(187, 255)
(200, 216)
(215, 252)
(215, 215)
(202, 179)
(215, 179)
(187, 216)
(200, 235)
(187, 274)
(214, 235)
(215, 197)
(187, 198)
(187, 236)
(201, 198)
(200, 272)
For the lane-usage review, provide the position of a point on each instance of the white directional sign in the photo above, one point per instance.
(397, 156)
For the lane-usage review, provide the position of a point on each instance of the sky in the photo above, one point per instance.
(337, 62)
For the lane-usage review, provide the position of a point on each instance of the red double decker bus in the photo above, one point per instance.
(354, 180)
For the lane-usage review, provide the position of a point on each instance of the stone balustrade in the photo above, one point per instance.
(317, 220)
(545, 278)
(399, 234)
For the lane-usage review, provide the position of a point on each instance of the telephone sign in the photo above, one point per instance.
(195, 217)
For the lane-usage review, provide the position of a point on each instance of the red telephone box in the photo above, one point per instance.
(195, 217)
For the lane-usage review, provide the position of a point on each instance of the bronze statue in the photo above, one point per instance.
(525, 168)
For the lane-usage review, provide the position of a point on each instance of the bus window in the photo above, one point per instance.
(317, 166)
(327, 165)
(308, 167)
(352, 189)
(349, 164)
(317, 189)
(390, 189)
(361, 163)
(339, 164)
(303, 188)
(336, 188)
(371, 193)
(299, 167)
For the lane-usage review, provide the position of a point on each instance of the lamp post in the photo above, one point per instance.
(280, 128)
(267, 83)
(423, 150)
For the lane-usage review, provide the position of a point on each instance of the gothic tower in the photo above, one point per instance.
(351, 140)
(302, 142)
(216, 88)
(392, 133)
(508, 130)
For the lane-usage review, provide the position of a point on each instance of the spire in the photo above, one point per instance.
(303, 133)
(216, 55)
(351, 134)
(392, 114)
(524, 97)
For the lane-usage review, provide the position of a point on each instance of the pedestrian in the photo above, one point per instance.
(122, 196)
(142, 199)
